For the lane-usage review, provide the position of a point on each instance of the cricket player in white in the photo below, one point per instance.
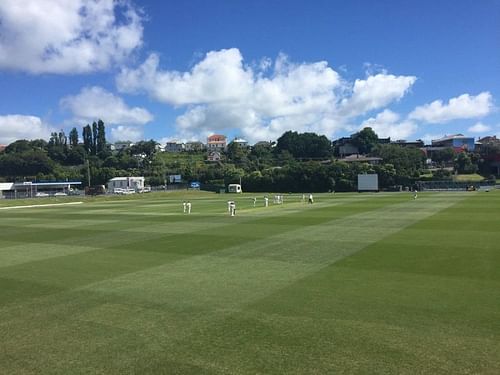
(184, 207)
(188, 204)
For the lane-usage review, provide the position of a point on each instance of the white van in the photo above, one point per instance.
(234, 188)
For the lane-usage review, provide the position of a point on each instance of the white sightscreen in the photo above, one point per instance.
(367, 182)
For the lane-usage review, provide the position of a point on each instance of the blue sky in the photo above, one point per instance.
(184, 69)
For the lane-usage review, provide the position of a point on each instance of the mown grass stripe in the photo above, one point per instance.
(293, 289)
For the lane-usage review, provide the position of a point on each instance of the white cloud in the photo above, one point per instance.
(219, 77)
(462, 107)
(388, 124)
(14, 127)
(61, 36)
(93, 103)
(127, 133)
(376, 92)
(263, 100)
(479, 127)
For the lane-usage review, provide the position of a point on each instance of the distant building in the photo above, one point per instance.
(118, 146)
(122, 185)
(174, 146)
(241, 142)
(2, 148)
(488, 140)
(356, 158)
(31, 189)
(345, 146)
(263, 143)
(417, 144)
(214, 156)
(458, 142)
(493, 159)
(194, 146)
(216, 142)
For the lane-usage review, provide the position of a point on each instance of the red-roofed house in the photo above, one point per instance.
(216, 142)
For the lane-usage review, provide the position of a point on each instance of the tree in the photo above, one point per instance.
(407, 161)
(261, 156)
(75, 155)
(441, 174)
(39, 144)
(19, 146)
(58, 139)
(445, 155)
(463, 164)
(306, 145)
(62, 139)
(489, 156)
(101, 138)
(57, 147)
(28, 163)
(94, 138)
(73, 137)
(144, 147)
(365, 140)
(386, 175)
(237, 154)
(87, 138)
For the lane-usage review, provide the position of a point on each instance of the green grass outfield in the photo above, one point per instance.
(355, 283)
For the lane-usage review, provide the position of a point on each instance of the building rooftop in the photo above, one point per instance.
(451, 137)
(360, 158)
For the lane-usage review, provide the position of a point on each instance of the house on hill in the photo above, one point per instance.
(194, 146)
(174, 146)
(118, 146)
(458, 142)
(356, 158)
(403, 143)
(241, 142)
(489, 140)
(216, 142)
(347, 146)
(214, 156)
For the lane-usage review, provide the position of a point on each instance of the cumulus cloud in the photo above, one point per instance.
(127, 133)
(263, 100)
(60, 36)
(389, 124)
(94, 103)
(14, 127)
(462, 107)
(479, 127)
(376, 92)
(219, 77)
